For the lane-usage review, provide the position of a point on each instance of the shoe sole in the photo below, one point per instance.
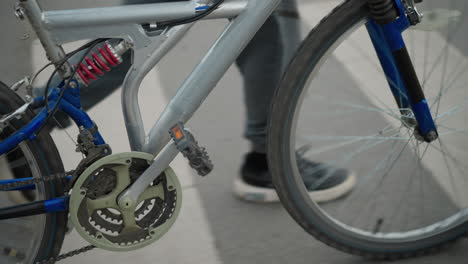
(256, 194)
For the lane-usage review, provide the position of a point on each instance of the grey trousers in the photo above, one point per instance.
(262, 64)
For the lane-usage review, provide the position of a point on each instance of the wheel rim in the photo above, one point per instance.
(382, 141)
(23, 236)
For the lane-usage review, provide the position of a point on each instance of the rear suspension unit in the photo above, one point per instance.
(98, 63)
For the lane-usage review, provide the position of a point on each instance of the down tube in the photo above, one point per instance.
(207, 74)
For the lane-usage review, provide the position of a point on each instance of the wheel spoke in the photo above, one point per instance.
(417, 169)
(403, 191)
(451, 157)
(382, 179)
(426, 55)
(364, 180)
(395, 113)
(449, 86)
(439, 56)
(378, 69)
(452, 130)
(342, 162)
(341, 144)
(452, 178)
(443, 117)
(357, 138)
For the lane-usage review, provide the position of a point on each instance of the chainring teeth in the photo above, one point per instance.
(102, 185)
(104, 226)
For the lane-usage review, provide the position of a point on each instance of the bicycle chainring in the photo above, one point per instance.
(98, 218)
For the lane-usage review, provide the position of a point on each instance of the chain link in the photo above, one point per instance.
(18, 184)
(67, 255)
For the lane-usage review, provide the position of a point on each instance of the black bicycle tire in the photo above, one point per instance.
(49, 162)
(286, 96)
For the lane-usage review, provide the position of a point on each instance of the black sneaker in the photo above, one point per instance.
(325, 183)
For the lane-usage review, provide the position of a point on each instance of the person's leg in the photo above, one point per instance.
(290, 28)
(262, 64)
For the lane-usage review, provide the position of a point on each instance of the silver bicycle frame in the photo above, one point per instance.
(55, 28)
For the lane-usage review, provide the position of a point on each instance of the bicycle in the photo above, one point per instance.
(126, 201)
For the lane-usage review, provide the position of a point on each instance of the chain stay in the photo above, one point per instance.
(18, 184)
(53, 177)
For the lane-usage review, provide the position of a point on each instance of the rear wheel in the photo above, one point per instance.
(34, 238)
(334, 101)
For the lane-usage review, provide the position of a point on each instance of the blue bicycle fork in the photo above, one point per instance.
(397, 65)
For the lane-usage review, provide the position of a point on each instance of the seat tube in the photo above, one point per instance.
(386, 36)
(55, 53)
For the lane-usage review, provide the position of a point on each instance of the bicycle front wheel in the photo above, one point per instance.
(334, 105)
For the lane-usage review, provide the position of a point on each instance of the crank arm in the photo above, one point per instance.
(182, 141)
(128, 198)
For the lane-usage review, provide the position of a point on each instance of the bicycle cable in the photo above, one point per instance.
(92, 44)
(89, 46)
(62, 62)
(192, 19)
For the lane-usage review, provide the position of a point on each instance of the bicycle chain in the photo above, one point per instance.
(69, 254)
(18, 184)
(53, 177)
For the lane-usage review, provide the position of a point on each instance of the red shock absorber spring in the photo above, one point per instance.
(97, 63)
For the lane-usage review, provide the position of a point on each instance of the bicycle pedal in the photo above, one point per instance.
(197, 156)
